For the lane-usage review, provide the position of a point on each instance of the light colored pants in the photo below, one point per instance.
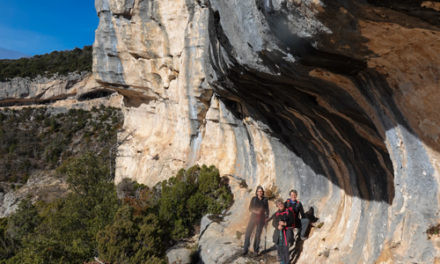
(301, 231)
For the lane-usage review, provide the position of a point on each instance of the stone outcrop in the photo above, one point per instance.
(179, 255)
(58, 89)
(337, 99)
(42, 186)
(21, 90)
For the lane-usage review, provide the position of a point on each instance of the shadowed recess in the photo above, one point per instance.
(317, 120)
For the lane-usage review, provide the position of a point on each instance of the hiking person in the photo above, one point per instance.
(282, 236)
(259, 209)
(300, 222)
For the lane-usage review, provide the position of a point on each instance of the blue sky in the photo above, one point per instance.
(41, 26)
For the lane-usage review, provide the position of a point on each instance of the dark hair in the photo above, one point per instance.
(259, 187)
(293, 191)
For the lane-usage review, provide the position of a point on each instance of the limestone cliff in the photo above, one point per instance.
(75, 88)
(337, 99)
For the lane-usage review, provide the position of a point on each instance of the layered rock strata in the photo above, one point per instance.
(337, 99)
(57, 89)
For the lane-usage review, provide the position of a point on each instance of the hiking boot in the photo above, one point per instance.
(245, 252)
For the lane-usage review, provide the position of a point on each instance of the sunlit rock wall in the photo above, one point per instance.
(73, 90)
(337, 99)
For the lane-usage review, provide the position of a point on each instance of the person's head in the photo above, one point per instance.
(259, 192)
(293, 194)
(280, 204)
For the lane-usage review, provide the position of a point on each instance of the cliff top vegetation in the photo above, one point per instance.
(56, 62)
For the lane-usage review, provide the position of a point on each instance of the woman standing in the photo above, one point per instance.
(259, 209)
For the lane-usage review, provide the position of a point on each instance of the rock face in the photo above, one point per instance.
(21, 90)
(337, 99)
(180, 255)
(62, 90)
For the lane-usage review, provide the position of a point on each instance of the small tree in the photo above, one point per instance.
(24, 221)
(83, 174)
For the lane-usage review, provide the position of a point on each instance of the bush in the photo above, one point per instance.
(64, 231)
(24, 221)
(130, 238)
(84, 172)
(163, 215)
(91, 220)
(7, 248)
(191, 194)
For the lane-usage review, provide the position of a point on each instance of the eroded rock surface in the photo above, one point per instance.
(42, 186)
(19, 91)
(337, 99)
(60, 90)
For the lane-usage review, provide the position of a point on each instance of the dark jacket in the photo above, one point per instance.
(287, 216)
(257, 204)
(297, 208)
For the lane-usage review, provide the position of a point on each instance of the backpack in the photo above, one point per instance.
(294, 208)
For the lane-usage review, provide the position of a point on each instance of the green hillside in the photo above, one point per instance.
(61, 62)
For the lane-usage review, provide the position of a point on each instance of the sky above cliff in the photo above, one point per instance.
(36, 27)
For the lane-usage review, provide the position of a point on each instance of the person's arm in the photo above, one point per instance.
(252, 205)
(271, 217)
(266, 208)
(275, 221)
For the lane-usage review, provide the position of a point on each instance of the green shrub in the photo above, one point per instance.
(24, 221)
(82, 173)
(64, 231)
(15, 230)
(433, 231)
(168, 212)
(209, 180)
(130, 238)
(7, 249)
(90, 219)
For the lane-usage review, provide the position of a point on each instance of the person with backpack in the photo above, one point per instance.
(259, 209)
(295, 206)
(282, 221)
